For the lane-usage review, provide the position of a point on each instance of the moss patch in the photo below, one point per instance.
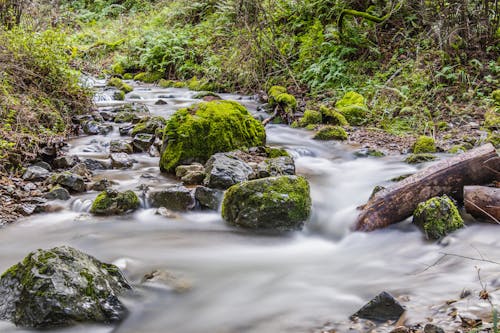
(114, 203)
(424, 144)
(149, 125)
(438, 217)
(311, 117)
(331, 133)
(196, 133)
(333, 117)
(419, 158)
(119, 84)
(147, 77)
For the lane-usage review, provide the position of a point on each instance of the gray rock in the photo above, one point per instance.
(161, 102)
(60, 287)
(121, 161)
(125, 130)
(91, 127)
(34, 173)
(142, 142)
(153, 151)
(431, 328)
(26, 210)
(112, 202)
(81, 170)
(401, 329)
(120, 146)
(382, 308)
(70, 181)
(182, 170)
(107, 115)
(279, 166)
(93, 164)
(225, 170)
(102, 185)
(166, 213)
(105, 129)
(44, 165)
(275, 203)
(176, 198)
(58, 193)
(209, 197)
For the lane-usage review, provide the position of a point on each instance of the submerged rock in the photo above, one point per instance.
(196, 133)
(60, 287)
(382, 308)
(225, 170)
(280, 203)
(177, 198)
(110, 202)
(437, 217)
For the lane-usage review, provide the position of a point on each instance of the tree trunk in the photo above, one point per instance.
(483, 202)
(398, 202)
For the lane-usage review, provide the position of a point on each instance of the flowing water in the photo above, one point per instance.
(222, 279)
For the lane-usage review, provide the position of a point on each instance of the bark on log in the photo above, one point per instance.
(398, 202)
(483, 202)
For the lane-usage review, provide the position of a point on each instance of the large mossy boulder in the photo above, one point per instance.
(437, 217)
(196, 133)
(111, 202)
(274, 203)
(60, 287)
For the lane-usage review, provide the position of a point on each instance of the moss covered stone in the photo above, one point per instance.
(196, 133)
(420, 158)
(149, 125)
(349, 99)
(333, 117)
(331, 133)
(119, 95)
(119, 84)
(353, 107)
(112, 202)
(199, 85)
(311, 117)
(437, 217)
(147, 77)
(60, 287)
(206, 94)
(276, 203)
(496, 96)
(278, 96)
(424, 144)
(492, 120)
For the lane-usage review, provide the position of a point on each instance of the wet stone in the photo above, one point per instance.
(58, 193)
(382, 308)
(209, 197)
(35, 173)
(225, 170)
(431, 328)
(102, 185)
(142, 142)
(125, 130)
(70, 181)
(93, 164)
(176, 198)
(121, 161)
(120, 146)
(43, 165)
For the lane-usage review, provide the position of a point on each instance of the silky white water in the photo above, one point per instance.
(236, 280)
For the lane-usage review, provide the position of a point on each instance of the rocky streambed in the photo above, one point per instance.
(192, 272)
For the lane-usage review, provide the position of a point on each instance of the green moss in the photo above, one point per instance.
(166, 83)
(147, 77)
(149, 125)
(349, 99)
(331, 133)
(496, 96)
(278, 96)
(276, 152)
(443, 125)
(196, 133)
(119, 95)
(112, 202)
(311, 127)
(200, 85)
(128, 76)
(494, 139)
(492, 120)
(180, 84)
(457, 149)
(204, 94)
(311, 117)
(424, 144)
(438, 217)
(119, 84)
(333, 117)
(117, 68)
(125, 117)
(420, 158)
(354, 114)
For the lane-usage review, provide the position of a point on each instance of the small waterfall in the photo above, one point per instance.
(81, 206)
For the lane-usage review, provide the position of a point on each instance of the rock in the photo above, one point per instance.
(401, 329)
(149, 125)
(331, 133)
(58, 193)
(107, 115)
(142, 142)
(110, 202)
(126, 117)
(279, 166)
(91, 127)
(161, 102)
(35, 173)
(176, 198)
(65, 162)
(60, 287)
(424, 144)
(81, 170)
(353, 107)
(43, 165)
(121, 161)
(153, 151)
(196, 133)
(167, 279)
(311, 117)
(419, 158)
(125, 130)
(280, 203)
(430, 328)
(193, 178)
(105, 129)
(224, 170)
(70, 181)
(209, 197)
(437, 217)
(182, 170)
(26, 209)
(166, 213)
(120, 146)
(93, 164)
(382, 308)
(102, 185)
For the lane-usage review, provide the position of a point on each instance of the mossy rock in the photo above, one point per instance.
(149, 125)
(274, 203)
(354, 114)
(311, 117)
(494, 139)
(196, 133)
(437, 217)
(125, 117)
(424, 144)
(119, 95)
(112, 202)
(128, 76)
(331, 133)
(117, 68)
(420, 158)
(204, 94)
(179, 84)
(276, 152)
(166, 83)
(200, 85)
(61, 287)
(496, 96)
(147, 77)
(333, 117)
(457, 149)
(351, 98)
(119, 84)
(278, 96)
(492, 120)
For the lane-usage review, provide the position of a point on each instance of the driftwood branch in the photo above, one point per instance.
(274, 115)
(483, 202)
(398, 202)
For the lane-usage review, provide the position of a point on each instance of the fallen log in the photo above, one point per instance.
(398, 202)
(483, 202)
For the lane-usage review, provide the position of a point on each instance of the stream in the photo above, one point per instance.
(225, 280)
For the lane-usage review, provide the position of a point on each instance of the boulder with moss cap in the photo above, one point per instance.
(111, 202)
(60, 287)
(437, 217)
(424, 144)
(275, 203)
(196, 133)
